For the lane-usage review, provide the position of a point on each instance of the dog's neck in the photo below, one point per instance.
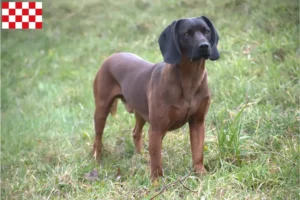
(191, 69)
(190, 73)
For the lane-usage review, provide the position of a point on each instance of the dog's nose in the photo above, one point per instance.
(203, 45)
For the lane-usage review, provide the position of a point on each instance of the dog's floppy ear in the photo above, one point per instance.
(215, 55)
(169, 44)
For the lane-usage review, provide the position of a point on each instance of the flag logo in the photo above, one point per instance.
(22, 15)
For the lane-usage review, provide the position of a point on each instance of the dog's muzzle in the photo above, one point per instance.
(202, 51)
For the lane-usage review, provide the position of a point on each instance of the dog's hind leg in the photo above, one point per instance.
(105, 94)
(138, 132)
(101, 112)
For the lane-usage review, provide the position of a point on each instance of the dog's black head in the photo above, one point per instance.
(195, 38)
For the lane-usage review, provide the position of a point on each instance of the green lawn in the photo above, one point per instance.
(252, 138)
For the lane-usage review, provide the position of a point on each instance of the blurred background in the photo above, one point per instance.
(252, 141)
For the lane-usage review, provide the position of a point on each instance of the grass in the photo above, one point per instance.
(252, 138)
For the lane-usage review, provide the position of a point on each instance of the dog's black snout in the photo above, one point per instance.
(203, 45)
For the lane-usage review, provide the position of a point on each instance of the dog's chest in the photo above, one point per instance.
(180, 112)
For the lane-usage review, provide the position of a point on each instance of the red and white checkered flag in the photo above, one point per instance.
(22, 15)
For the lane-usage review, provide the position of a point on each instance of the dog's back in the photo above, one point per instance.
(126, 76)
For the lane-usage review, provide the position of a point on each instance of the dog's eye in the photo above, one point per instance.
(186, 34)
(207, 32)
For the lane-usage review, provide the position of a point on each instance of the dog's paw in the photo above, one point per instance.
(200, 169)
(96, 153)
(155, 182)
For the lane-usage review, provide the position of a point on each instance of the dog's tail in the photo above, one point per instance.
(113, 108)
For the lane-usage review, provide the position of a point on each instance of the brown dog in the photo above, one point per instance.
(166, 95)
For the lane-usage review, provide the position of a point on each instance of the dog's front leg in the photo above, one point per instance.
(155, 145)
(197, 134)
